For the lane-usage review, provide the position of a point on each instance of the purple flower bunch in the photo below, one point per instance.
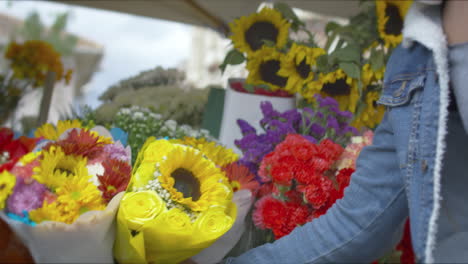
(323, 120)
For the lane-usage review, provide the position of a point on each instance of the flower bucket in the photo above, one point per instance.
(240, 104)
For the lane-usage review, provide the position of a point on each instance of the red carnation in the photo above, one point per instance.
(405, 245)
(269, 213)
(317, 193)
(11, 150)
(329, 150)
(115, 179)
(344, 177)
(282, 173)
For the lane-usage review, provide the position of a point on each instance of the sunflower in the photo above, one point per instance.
(249, 33)
(370, 76)
(337, 85)
(219, 154)
(7, 182)
(48, 131)
(55, 167)
(297, 66)
(192, 180)
(372, 114)
(390, 17)
(53, 211)
(263, 68)
(79, 193)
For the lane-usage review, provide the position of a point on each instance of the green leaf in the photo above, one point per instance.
(249, 87)
(233, 57)
(351, 69)
(331, 26)
(287, 12)
(322, 63)
(350, 53)
(377, 60)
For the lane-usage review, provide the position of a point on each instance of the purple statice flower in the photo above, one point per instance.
(26, 196)
(267, 110)
(332, 123)
(310, 139)
(291, 116)
(245, 127)
(326, 102)
(117, 151)
(317, 130)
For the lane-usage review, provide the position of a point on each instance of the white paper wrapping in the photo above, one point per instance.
(246, 106)
(216, 252)
(88, 240)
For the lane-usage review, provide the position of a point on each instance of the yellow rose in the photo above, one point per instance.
(141, 207)
(177, 219)
(143, 174)
(156, 150)
(214, 222)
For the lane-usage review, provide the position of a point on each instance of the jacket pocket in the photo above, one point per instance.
(400, 89)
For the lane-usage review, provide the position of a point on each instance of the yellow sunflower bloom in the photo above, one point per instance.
(30, 157)
(192, 180)
(217, 153)
(263, 68)
(55, 167)
(372, 114)
(370, 76)
(80, 194)
(7, 182)
(249, 33)
(390, 17)
(54, 211)
(338, 85)
(297, 66)
(48, 131)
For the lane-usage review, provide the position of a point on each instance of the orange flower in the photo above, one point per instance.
(241, 178)
(33, 59)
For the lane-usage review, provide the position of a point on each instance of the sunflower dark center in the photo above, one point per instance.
(186, 183)
(340, 87)
(268, 73)
(303, 69)
(63, 170)
(258, 32)
(394, 24)
(374, 103)
(2, 186)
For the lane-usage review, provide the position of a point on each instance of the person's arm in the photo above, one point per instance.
(360, 227)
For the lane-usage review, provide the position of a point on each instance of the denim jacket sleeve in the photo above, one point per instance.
(361, 227)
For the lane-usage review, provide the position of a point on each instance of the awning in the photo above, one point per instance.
(215, 14)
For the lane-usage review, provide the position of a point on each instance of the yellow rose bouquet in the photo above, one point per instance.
(61, 199)
(179, 202)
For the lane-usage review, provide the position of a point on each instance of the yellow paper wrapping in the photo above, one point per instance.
(150, 231)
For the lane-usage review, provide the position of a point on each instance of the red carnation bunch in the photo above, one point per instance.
(11, 150)
(303, 182)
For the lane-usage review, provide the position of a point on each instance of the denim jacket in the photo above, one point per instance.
(398, 175)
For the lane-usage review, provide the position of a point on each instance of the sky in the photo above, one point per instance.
(131, 43)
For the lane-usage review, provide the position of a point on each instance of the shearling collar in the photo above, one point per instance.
(423, 24)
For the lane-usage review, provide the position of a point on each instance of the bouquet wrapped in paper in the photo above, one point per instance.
(178, 203)
(61, 199)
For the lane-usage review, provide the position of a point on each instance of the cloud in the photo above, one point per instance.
(131, 43)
